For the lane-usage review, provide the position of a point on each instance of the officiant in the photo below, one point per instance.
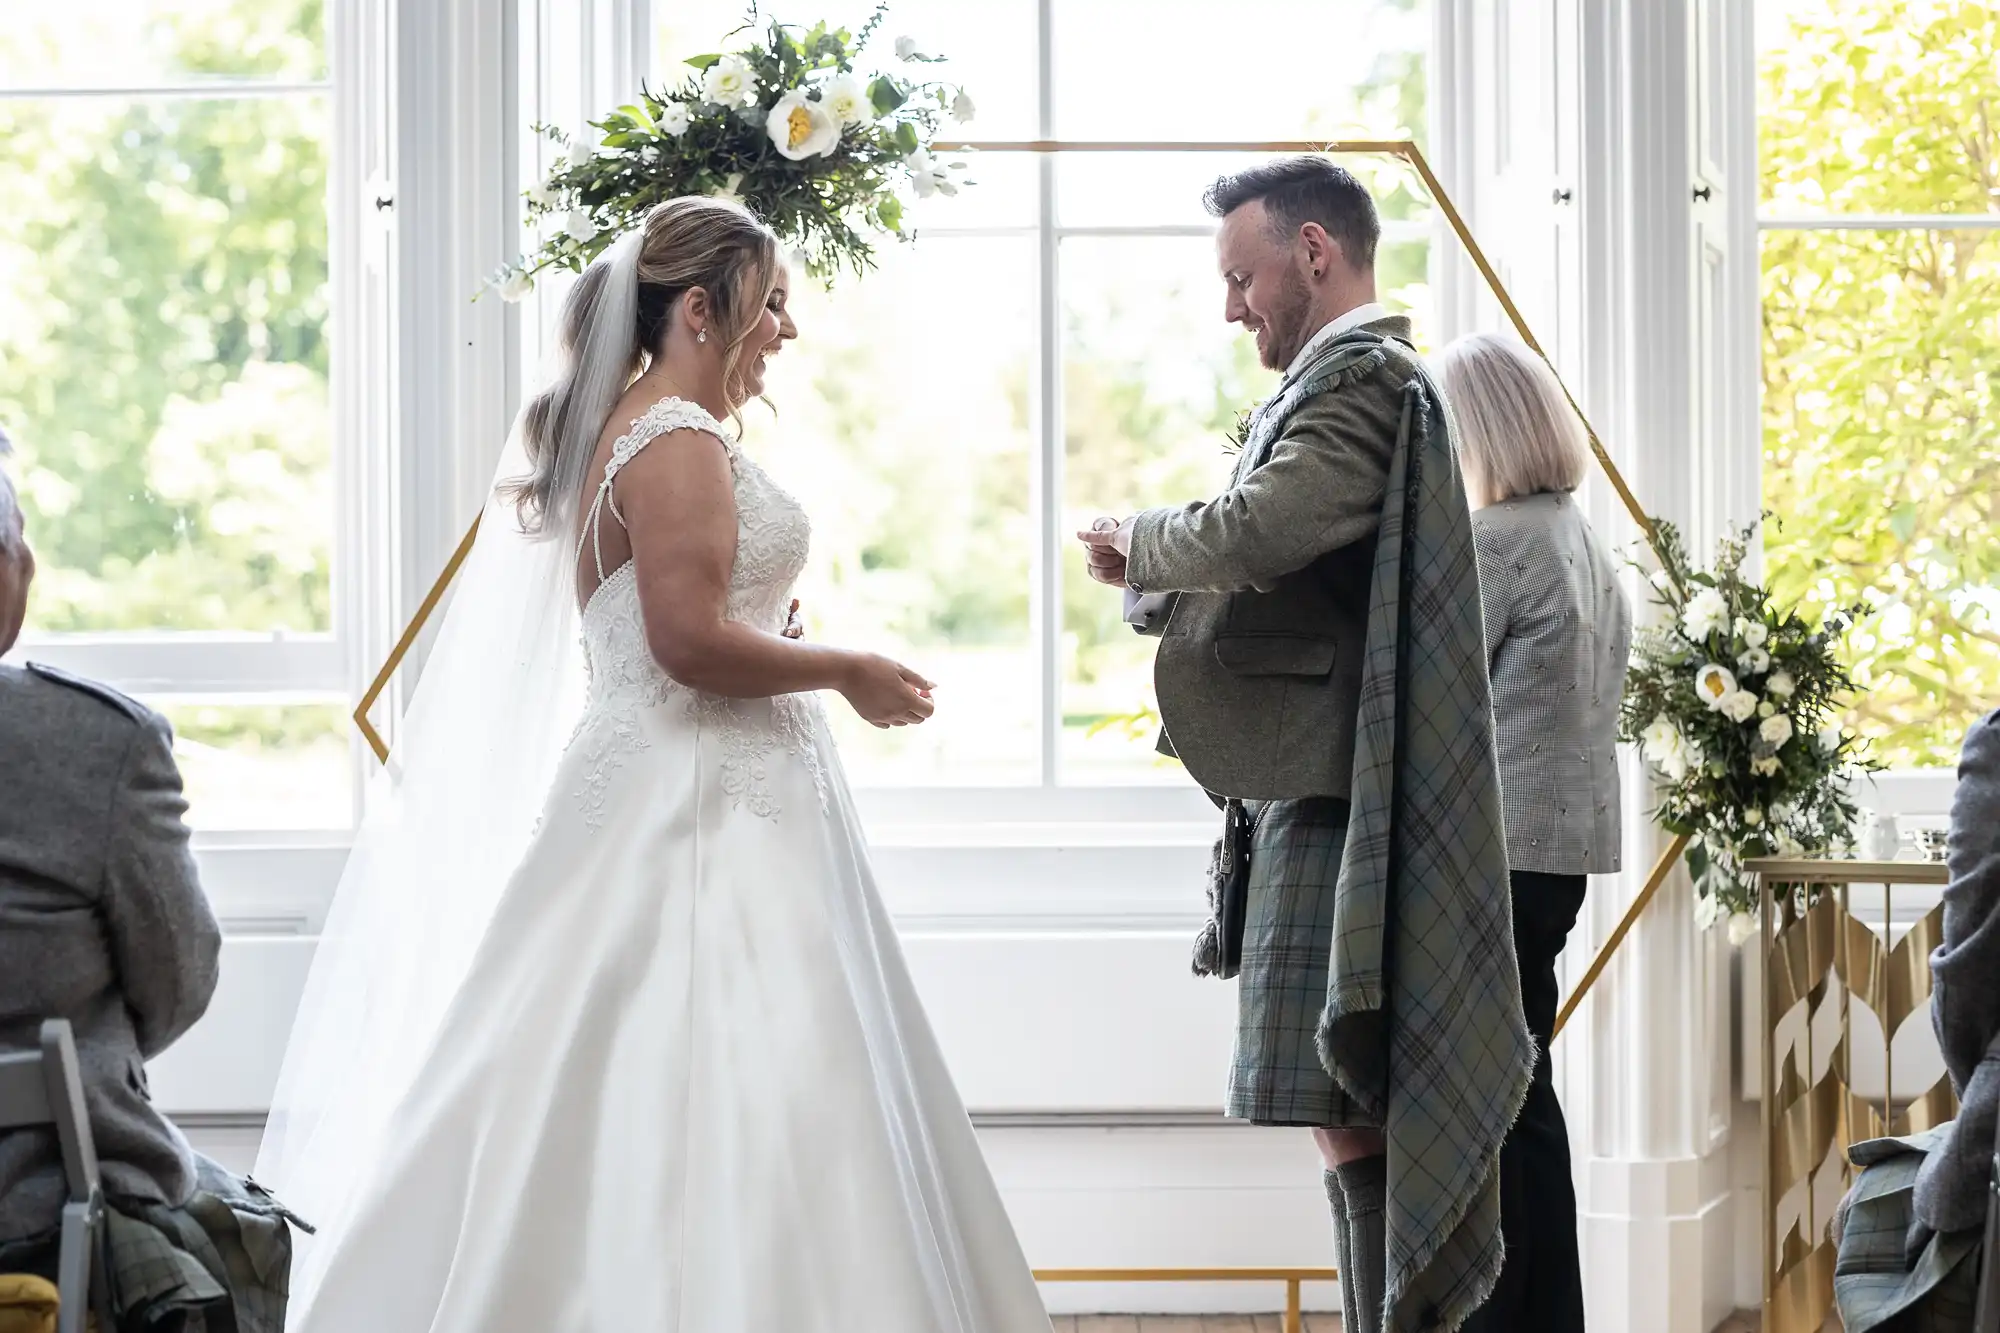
(1322, 674)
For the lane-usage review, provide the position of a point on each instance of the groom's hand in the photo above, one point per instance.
(1107, 543)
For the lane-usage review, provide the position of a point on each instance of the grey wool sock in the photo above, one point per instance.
(1364, 1186)
(1342, 1249)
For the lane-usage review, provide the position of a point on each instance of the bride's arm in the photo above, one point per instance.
(680, 513)
(679, 504)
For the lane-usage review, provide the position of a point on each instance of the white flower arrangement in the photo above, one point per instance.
(1729, 747)
(790, 129)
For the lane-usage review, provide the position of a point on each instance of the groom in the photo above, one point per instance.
(1322, 673)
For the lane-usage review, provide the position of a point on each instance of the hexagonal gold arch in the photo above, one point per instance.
(1405, 149)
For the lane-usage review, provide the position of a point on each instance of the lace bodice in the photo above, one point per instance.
(773, 539)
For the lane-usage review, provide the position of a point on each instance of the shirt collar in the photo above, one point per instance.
(1347, 323)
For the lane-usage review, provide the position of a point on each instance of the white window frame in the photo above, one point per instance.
(243, 667)
(1922, 795)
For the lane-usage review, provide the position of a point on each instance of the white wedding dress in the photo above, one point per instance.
(686, 1085)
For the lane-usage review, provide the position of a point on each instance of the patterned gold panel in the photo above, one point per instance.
(1818, 950)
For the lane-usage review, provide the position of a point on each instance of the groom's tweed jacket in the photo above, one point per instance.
(1259, 668)
(1423, 1025)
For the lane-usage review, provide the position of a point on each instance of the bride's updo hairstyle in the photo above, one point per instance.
(683, 244)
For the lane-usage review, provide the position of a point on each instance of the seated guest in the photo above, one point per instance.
(1909, 1231)
(103, 923)
(1558, 633)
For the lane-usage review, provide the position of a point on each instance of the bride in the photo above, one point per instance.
(615, 1033)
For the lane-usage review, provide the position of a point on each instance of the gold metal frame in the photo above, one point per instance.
(1399, 148)
(1817, 953)
(1291, 1277)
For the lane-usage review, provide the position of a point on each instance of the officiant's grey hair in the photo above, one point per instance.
(1302, 189)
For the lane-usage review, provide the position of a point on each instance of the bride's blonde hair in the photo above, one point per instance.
(685, 243)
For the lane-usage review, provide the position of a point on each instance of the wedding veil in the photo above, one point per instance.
(448, 819)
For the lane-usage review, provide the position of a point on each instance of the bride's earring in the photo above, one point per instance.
(701, 336)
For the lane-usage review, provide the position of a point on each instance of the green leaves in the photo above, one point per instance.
(885, 96)
(701, 64)
(906, 138)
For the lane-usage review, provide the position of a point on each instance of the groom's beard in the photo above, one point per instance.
(1288, 322)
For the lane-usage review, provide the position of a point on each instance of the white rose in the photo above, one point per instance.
(801, 128)
(674, 120)
(731, 191)
(1752, 632)
(906, 48)
(1753, 817)
(846, 100)
(1829, 737)
(582, 153)
(1755, 661)
(927, 175)
(540, 195)
(1764, 767)
(1781, 684)
(1661, 737)
(516, 286)
(580, 227)
(1705, 613)
(730, 82)
(962, 108)
(1740, 706)
(1741, 927)
(1714, 684)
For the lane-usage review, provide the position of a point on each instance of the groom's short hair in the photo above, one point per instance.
(1302, 189)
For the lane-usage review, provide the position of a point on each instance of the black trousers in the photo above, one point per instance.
(1541, 1284)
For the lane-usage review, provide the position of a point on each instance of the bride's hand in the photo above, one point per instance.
(886, 693)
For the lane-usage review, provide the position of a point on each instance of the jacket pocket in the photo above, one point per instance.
(1276, 654)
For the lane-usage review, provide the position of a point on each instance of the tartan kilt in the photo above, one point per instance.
(1275, 1077)
(1878, 1282)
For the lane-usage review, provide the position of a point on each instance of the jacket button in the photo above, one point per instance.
(1534, 842)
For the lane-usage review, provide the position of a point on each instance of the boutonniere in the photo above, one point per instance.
(1239, 435)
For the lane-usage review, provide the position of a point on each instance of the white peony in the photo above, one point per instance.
(730, 82)
(1714, 684)
(732, 189)
(1776, 730)
(1829, 737)
(580, 227)
(1666, 748)
(1740, 706)
(674, 120)
(1752, 632)
(846, 100)
(906, 48)
(802, 128)
(582, 153)
(1741, 927)
(516, 286)
(962, 108)
(1781, 684)
(927, 175)
(1755, 661)
(1705, 613)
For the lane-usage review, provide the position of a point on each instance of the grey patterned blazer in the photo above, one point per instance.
(1558, 633)
(102, 922)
